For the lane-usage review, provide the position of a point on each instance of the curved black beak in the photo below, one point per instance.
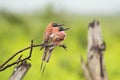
(60, 24)
(65, 29)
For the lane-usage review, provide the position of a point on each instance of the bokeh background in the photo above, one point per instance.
(24, 20)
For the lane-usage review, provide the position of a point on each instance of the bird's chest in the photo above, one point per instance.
(55, 37)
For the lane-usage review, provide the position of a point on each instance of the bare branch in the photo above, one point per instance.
(4, 66)
(20, 70)
(63, 46)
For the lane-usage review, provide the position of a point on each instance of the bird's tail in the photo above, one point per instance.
(43, 63)
(43, 69)
(43, 44)
(44, 56)
(45, 53)
(49, 53)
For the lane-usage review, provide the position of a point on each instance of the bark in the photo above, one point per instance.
(20, 71)
(96, 47)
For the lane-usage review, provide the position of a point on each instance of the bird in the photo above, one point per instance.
(48, 32)
(52, 27)
(57, 36)
(54, 35)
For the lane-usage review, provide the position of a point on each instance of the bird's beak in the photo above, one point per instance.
(65, 29)
(60, 24)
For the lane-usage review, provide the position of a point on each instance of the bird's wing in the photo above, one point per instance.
(46, 39)
(49, 53)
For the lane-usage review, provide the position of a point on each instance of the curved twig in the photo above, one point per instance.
(4, 66)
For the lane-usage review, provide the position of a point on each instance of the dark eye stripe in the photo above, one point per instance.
(55, 25)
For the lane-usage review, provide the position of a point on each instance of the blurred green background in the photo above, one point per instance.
(18, 29)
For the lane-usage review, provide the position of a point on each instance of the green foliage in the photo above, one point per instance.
(16, 32)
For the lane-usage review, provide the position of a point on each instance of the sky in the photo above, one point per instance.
(73, 6)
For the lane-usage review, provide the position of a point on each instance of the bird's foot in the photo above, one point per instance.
(63, 46)
(50, 45)
(42, 46)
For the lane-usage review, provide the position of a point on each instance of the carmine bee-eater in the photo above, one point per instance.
(52, 38)
(49, 30)
(57, 36)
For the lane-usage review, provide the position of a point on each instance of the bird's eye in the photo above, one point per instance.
(60, 28)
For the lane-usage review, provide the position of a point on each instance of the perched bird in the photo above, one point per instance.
(52, 27)
(57, 36)
(53, 37)
(49, 30)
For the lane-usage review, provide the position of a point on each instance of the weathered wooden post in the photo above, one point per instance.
(95, 67)
(20, 71)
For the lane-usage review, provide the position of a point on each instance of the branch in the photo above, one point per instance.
(63, 46)
(3, 67)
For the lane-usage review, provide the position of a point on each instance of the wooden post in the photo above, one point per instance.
(20, 71)
(96, 46)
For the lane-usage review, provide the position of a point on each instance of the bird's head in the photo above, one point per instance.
(56, 25)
